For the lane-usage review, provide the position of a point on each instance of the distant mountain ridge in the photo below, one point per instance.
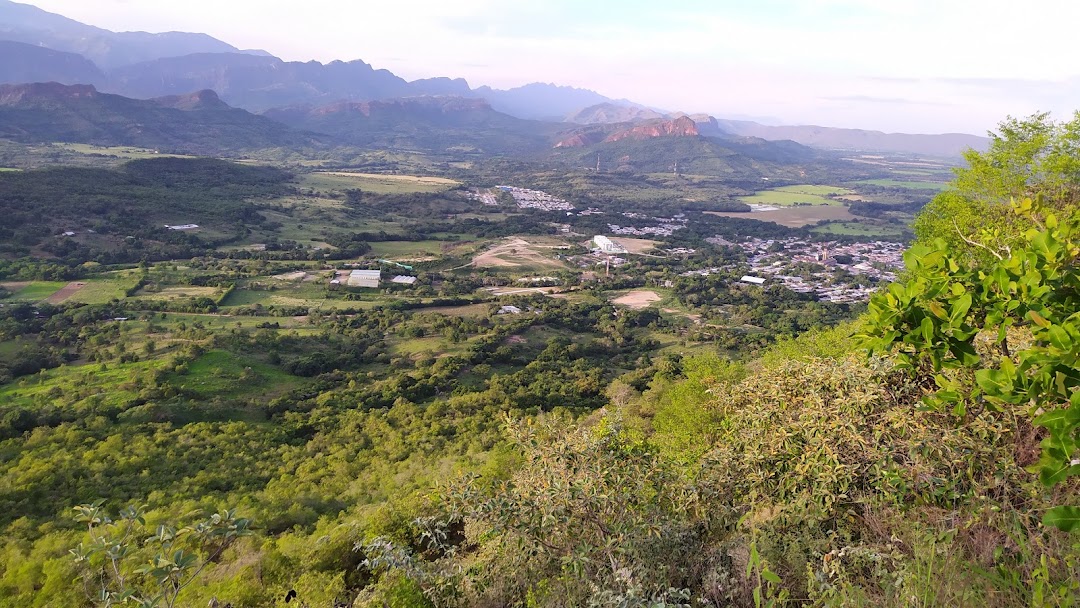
(38, 46)
(945, 144)
(430, 123)
(28, 63)
(31, 25)
(198, 123)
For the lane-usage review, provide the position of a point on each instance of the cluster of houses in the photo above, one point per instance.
(536, 199)
(829, 270)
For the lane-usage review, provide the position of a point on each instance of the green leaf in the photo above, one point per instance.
(770, 576)
(1064, 518)
(959, 308)
(1059, 337)
(927, 329)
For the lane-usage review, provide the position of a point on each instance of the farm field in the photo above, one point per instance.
(104, 289)
(179, 292)
(896, 183)
(34, 291)
(415, 249)
(791, 195)
(793, 217)
(125, 152)
(376, 183)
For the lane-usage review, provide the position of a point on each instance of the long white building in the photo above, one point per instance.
(364, 278)
(606, 245)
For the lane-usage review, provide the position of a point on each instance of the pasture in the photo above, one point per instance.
(858, 229)
(792, 195)
(794, 217)
(910, 185)
(125, 152)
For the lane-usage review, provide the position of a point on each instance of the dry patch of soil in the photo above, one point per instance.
(65, 292)
(637, 299)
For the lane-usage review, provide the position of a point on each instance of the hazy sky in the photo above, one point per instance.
(896, 65)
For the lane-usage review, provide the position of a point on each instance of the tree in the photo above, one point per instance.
(1033, 157)
(124, 562)
(1029, 292)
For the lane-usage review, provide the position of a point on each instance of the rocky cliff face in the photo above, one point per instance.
(679, 127)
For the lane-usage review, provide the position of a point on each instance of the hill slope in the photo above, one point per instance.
(199, 123)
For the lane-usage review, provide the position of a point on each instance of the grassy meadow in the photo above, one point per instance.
(793, 195)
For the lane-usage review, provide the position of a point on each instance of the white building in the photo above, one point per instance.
(752, 280)
(402, 279)
(364, 278)
(182, 227)
(606, 245)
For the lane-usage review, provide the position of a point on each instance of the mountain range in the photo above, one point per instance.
(337, 98)
(198, 123)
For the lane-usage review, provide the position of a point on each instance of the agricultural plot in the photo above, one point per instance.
(377, 183)
(794, 217)
(124, 152)
(101, 290)
(179, 292)
(34, 291)
(411, 249)
(909, 184)
(65, 292)
(793, 195)
(858, 229)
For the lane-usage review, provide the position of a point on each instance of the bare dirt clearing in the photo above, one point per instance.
(637, 299)
(635, 245)
(292, 276)
(65, 292)
(516, 252)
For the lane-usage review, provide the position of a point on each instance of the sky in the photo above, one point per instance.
(917, 66)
